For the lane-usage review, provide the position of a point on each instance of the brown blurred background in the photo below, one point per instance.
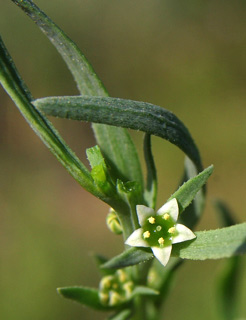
(189, 57)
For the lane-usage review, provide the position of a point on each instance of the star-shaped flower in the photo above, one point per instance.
(159, 230)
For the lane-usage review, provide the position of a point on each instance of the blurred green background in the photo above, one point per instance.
(189, 57)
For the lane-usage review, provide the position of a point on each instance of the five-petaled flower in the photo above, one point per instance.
(159, 230)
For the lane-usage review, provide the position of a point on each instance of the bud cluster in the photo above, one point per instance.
(115, 289)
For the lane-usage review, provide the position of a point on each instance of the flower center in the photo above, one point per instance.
(159, 230)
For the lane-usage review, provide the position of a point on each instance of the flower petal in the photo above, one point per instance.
(136, 239)
(170, 207)
(143, 213)
(162, 254)
(184, 234)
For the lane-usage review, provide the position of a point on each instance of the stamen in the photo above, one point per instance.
(161, 241)
(158, 228)
(146, 234)
(122, 275)
(114, 298)
(166, 216)
(151, 220)
(103, 297)
(171, 230)
(115, 286)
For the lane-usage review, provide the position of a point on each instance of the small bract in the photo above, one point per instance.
(159, 230)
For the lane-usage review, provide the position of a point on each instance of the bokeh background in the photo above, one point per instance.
(187, 56)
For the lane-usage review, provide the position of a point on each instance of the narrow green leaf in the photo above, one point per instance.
(115, 143)
(187, 192)
(128, 258)
(193, 212)
(151, 188)
(17, 90)
(85, 77)
(135, 115)
(95, 156)
(121, 315)
(86, 296)
(146, 291)
(100, 260)
(213, 244)
(228, 280)
(227, 288)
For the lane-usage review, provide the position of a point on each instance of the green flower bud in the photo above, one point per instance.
(113, 222)
(115, 289)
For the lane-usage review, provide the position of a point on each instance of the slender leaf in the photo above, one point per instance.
(151, 188)
(146, 291)
(214, 244)
(227, 288)
(115, 143)
(135, 115)
(128, 258)
(187, 192)
(228, 281)
(193, 212)
(17, 90)
(86, 296)
(121, 315)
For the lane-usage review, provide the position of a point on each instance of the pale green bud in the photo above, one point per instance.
(113, 222)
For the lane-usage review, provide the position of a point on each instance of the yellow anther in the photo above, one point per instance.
(151, 220)
(106, 282)
(103, 297)
(166, 216)
(128, 287)
(115, 298)
(115, 286)
(171, 230)
(158, 228)
(122, 275)
(161, 241)
(146, 234)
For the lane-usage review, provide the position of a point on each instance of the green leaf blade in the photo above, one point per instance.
(115, 143)
(87, 296)
(87, 81)
(151, 185)
(193, 212)
(187, 192)
(213, 244)
(145, 291)
(129, 257)
(130, 114)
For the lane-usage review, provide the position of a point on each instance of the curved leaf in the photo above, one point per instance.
(193, 212)
(187, 192)
(115, 143)
(229, 278)
(128, 258)
(86, 296)
(151, 186)
(121, 315)
(143, 290)
(135, 115)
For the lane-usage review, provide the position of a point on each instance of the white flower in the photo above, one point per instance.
(159, 230)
